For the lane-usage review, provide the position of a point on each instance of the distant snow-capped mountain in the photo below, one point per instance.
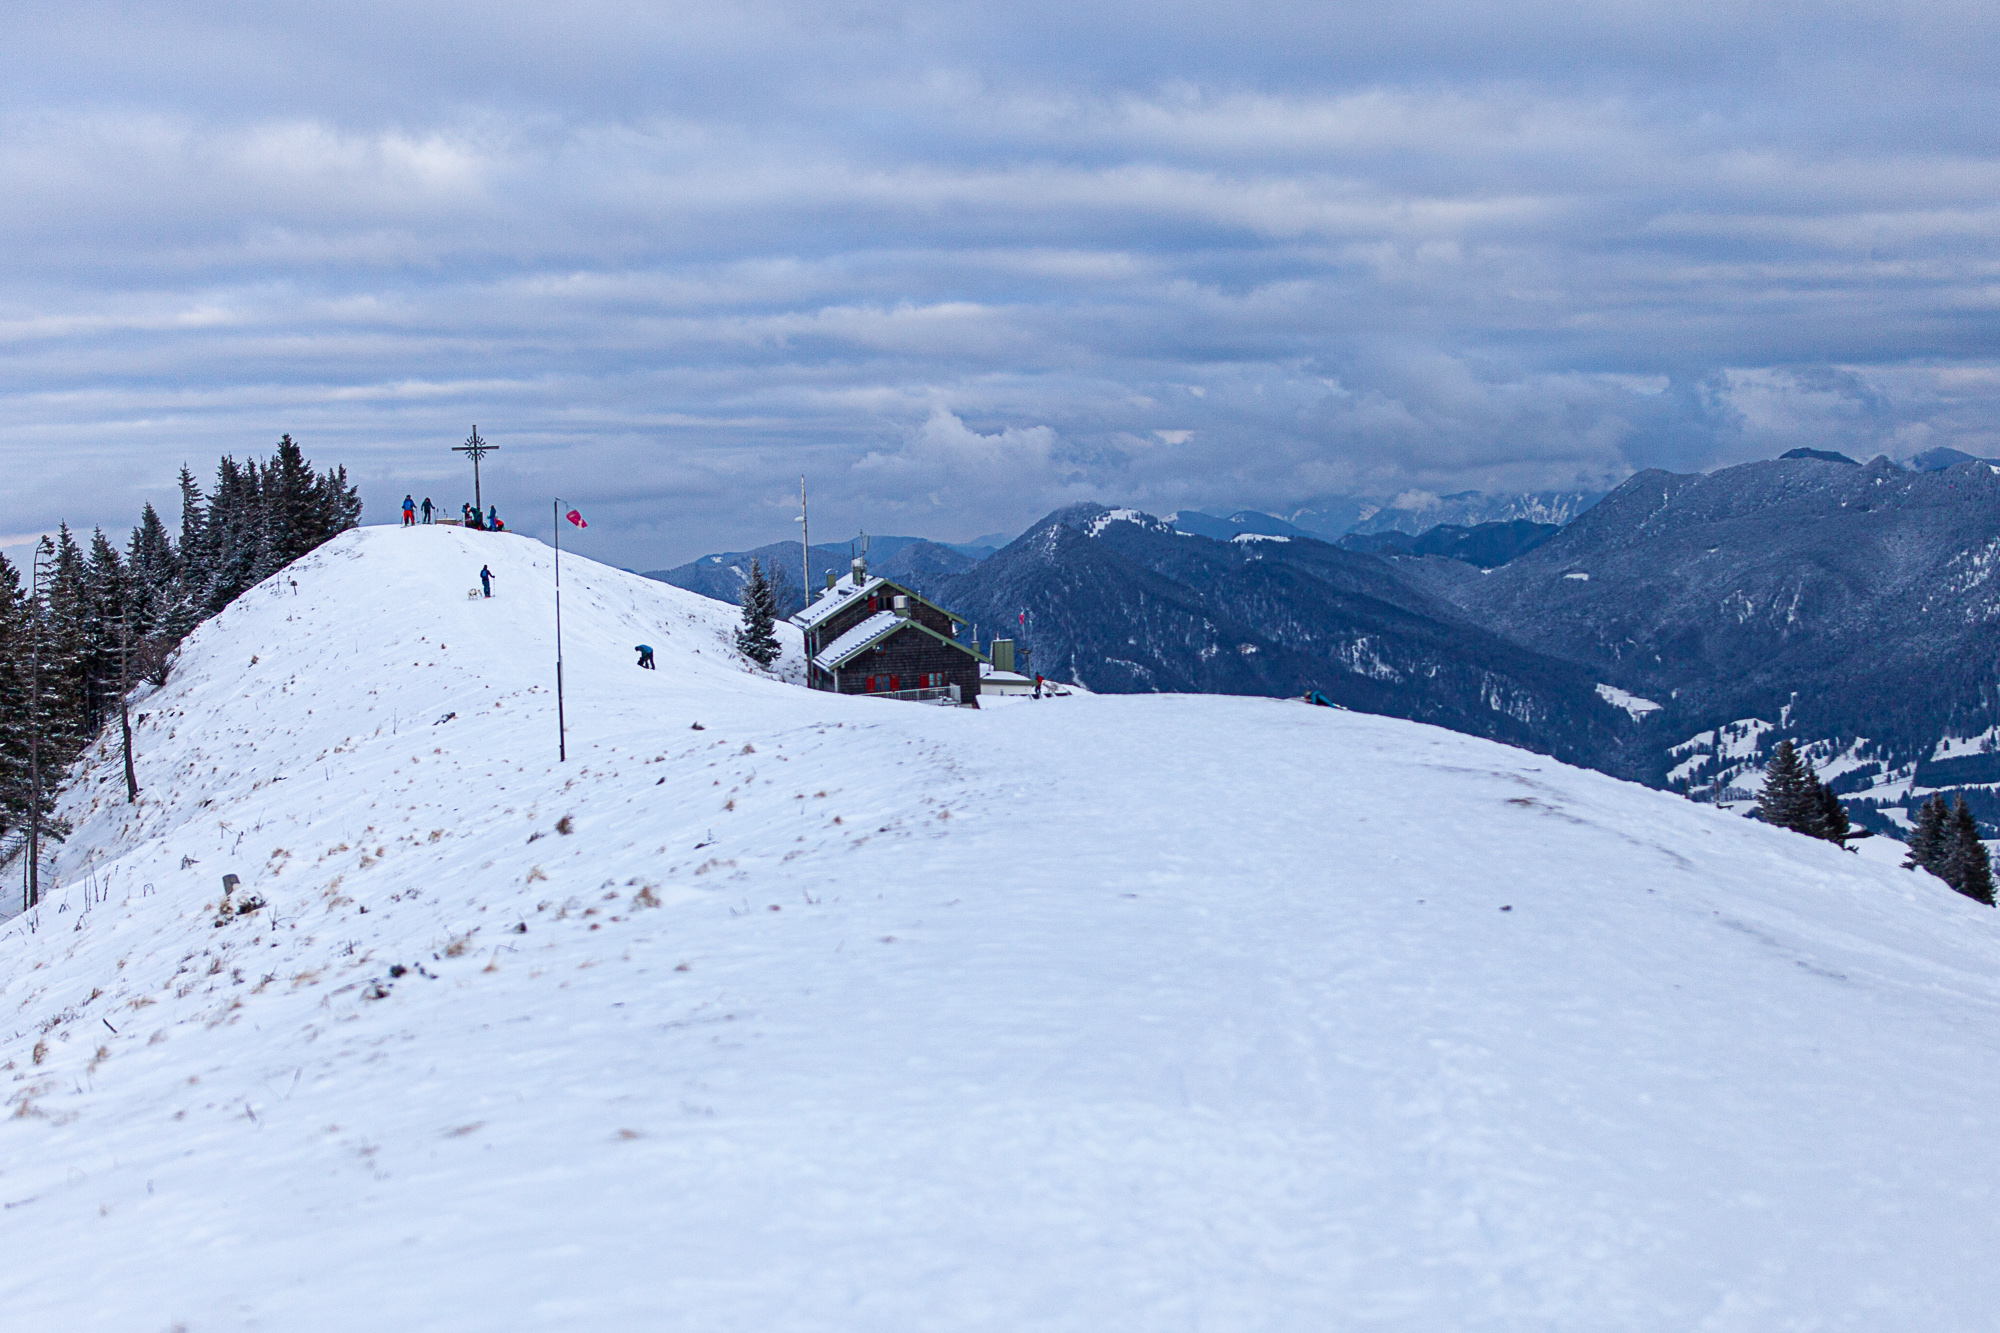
(1416, 512)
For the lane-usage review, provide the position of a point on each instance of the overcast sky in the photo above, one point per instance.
(963, 264)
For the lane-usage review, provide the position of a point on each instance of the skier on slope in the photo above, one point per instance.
(486, 580)
(409, 512)
(645, 651)
(427, 509)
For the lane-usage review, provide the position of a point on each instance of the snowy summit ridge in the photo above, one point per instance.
(842, 1013)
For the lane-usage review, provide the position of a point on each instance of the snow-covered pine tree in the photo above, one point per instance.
(1927, 836)
(290, 498)
(1787, 801)
(52, 619)
(108, 596)
(65, 658)
(756, 640)
(1966, 866)
(15, 628)
(193, 564)
(235, 535)
(1832, 823)
(152, 563)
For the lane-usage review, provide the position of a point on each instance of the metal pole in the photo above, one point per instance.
(562, 732)
(805, 545)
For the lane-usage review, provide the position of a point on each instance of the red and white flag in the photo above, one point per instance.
(577, 518)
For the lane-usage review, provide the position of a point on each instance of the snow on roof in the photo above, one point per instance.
(835, 654)
(835, 598)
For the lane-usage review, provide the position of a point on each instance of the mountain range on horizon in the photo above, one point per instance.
(1846, 605)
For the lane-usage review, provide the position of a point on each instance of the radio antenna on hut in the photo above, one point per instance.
(805, 545)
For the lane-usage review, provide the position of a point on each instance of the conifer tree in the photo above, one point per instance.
(192, 565)
(152, 563)
(1832, 823)
(1966, 866)
(756, 640)
(1927, 836)
(64, 641)
(107, 597)
(234, 536)
(15, 628)
(1787, 801)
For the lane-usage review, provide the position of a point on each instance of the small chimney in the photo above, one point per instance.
(860, 570)
(1003, 654)
(901, 605)
(829, 580)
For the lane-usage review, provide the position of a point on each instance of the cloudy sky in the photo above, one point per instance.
(961, 264)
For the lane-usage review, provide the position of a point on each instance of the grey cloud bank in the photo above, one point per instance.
(963, 264)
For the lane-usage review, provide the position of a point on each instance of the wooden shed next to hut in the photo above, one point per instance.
(867, 635)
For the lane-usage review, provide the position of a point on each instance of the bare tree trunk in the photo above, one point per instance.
(125, 713)
(131, 777)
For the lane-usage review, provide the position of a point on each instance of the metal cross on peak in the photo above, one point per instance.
(475, 449)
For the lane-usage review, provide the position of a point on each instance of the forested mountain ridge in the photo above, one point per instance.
(1121, 602)
(1853, 600)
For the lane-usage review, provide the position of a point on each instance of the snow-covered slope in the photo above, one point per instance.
(1143, 1012)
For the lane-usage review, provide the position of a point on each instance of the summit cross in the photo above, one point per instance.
(475, 449)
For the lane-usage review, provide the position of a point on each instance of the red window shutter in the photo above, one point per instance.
(895, 682)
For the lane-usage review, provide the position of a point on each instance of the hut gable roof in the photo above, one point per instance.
(871, 632)
(845, 590)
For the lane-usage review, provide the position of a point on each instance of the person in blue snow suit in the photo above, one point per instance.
(409, 512)
(486, 580)
(645, 651)
(428, 507)
(493, 518)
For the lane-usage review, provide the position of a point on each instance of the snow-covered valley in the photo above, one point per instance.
(1111, 1012)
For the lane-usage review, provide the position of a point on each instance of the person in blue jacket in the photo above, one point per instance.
(486, 580)
(645, 651)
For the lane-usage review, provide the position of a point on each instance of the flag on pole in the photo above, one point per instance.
(576, 518)
(1024, 618)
